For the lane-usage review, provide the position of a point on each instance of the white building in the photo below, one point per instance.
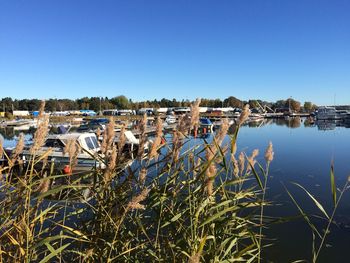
(21, 113)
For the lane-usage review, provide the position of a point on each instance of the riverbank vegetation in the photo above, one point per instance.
(182, 203)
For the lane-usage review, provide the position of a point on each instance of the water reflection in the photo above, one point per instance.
(11, 133)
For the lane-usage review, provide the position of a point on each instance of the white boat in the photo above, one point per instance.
(347, 118)
(25, 127)
(15, 123)
(87, 158)
(327, 113)
(131, 144)
(170, 119)
(256, 115)
(218, 124)
(20, 122)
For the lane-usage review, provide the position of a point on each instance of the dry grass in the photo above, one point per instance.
(190, 204)
(158, 139)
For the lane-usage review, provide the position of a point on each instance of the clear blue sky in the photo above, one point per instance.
(268, 49)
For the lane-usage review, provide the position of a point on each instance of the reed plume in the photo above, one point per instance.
(184, 125)
(41, 109)
(143, 137)
(72, 150)
(195, 258)
(112, 163)
(235, 165)
(18, 149)
(241, 162)
(157, 140)
(143, 175)
(195, 114)
(44, 185)
(40, 134)
(244, 115)
(122, 140)
(219, 137)
(211, 151)
(269, 153)
(252, 160)
(45, 160)
(177, 144)
(108, 137)
(134, 204)
(1, 149)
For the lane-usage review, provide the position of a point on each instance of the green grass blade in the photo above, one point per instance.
(320, 207)
(333, 185)
(53, 253)
(306, 218)
(256, 176)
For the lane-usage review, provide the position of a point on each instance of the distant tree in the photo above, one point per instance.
(84, 103)
(309, 106)
(232, 102)
(253, 104)
(165, 103)
(95, 103)
(279, 104)
(295, 105)
(106, 104)
(7, 104)
(33, 104)
(216, 103)
(120, 102)
(175, 103)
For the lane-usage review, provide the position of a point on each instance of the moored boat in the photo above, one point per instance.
(170, 119)
(87, 156)
(205, 123)
(327, 113)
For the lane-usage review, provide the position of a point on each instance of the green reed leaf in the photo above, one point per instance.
(333, 185)
(320, 207)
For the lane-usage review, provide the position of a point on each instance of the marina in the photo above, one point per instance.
(174, 131)
(329, 138)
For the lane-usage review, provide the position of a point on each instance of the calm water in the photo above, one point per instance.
(303, 154)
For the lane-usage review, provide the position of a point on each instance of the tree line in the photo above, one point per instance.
(122, 102)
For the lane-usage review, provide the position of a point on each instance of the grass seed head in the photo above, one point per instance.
(112, 163)
(1, 149)
(44, 185)
(41, 109)
(219, 137)
(143, 175)
(252, 159)
(241, 162)
(19, 147)
(195, 258)
(134, 204)
(244, 115)
(122, 140)
(158, 139)
(72, 149)
(40, 134)
(269, 153)
(195, 113)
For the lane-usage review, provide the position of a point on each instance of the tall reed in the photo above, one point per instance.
(185, 203)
